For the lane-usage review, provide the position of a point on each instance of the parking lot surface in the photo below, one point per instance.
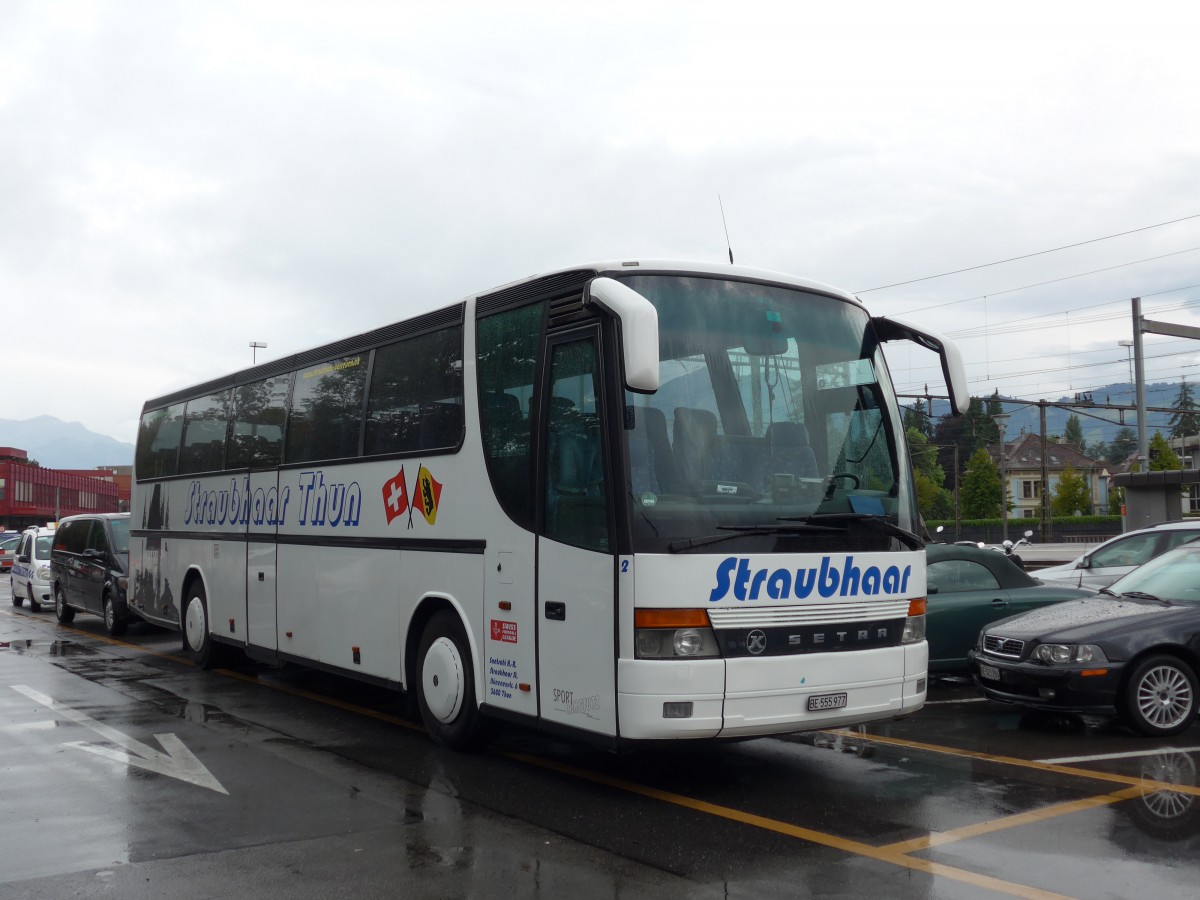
(127, 773)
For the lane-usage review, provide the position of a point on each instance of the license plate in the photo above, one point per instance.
(991, 673)
(827, 701)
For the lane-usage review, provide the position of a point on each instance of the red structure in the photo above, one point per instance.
(32, 495)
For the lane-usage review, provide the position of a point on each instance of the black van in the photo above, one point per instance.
(89, 568)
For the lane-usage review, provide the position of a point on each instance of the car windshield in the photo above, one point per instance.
(1174, 576)
(42, 545)
(120, 533)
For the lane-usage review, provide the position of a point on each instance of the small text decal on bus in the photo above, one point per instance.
(734, 574)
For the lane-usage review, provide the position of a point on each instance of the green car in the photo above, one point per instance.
(970, 587)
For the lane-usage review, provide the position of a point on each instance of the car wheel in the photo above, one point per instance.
(112, 624)
(65, 614)
(446, 684)
(197, 642)
(33, 604)
(1159, 697)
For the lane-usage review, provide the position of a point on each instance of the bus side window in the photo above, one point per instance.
(507, 364)
(415, 401)
(159, 435)
(326, 414)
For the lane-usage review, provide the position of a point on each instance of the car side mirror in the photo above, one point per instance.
(23, 559)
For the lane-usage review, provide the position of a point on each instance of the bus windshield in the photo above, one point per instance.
(774, 428)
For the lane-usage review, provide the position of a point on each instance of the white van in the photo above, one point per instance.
(30, 577)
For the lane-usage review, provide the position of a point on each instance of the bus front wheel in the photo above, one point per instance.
(197, 642)
(446, 686)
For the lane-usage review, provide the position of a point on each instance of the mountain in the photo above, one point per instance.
(64, 445)
(1098, 424)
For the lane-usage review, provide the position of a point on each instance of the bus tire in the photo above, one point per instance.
(65, 614)
(112, 624)
(197, 642)
(446, 684)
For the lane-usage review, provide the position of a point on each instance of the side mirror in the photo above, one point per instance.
(1028, 533)
(889, 329)
(639, 330)
(23, 559)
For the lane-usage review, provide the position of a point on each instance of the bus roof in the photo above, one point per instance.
(455, 313)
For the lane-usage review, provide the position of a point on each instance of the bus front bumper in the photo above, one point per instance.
(768, 695)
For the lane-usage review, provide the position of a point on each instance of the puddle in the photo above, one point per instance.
(47, 648)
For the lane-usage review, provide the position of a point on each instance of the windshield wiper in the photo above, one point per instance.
(1142, 595)
(1107, 591)
(878, 523)
(743, 530)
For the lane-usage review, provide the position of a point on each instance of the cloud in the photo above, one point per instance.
(180, 179)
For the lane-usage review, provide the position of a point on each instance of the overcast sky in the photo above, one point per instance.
(180, 179)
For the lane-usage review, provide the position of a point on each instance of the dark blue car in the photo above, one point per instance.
(1132, 650)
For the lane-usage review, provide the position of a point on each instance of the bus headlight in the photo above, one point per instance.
(914, 625)
(673, 634)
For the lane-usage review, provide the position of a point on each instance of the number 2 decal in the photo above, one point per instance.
(624, 566)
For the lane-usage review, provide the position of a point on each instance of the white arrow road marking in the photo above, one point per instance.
(178, 761)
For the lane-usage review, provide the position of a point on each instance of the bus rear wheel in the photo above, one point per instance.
(197, 642)
(446, 684)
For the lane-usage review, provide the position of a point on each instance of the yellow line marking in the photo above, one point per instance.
(1034, 816)
(882, 854)
(1114, 778)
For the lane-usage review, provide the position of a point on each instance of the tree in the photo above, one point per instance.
(1073, 434)
(981, 487)
(933, 500)
(1186, 418)
(917, 417)
(1071, 496)
(1122, 445)
(1162, 457)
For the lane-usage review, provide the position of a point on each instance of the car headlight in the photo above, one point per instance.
(43, 573)
(1068, 654)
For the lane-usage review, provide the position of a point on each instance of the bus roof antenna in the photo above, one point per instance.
(728, 245)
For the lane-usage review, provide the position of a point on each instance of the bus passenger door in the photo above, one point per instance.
(576, 606)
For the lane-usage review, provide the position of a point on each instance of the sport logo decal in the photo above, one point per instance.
(427, 493)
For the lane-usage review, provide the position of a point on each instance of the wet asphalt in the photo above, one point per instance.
(125, 772)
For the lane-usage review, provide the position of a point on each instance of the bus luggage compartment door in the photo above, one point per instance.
(576, 637)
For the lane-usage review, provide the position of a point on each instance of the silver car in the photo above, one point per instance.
(1119, 556)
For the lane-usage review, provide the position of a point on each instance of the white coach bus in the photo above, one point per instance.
(628, 501)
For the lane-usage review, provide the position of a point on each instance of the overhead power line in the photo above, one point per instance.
(1026, 287)
(1028, 255)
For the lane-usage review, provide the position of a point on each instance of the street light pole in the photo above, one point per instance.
(255, 346)
(1128, 345)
